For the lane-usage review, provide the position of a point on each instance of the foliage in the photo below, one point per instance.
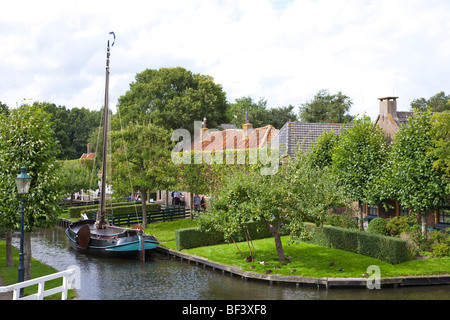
(343, 220)
(72, 128)
(259, 114)
(327, 108)
(173, 98)
(281, 202)
(76, 175)
(440, 136)
(358, 160)
(440, 250)
(27, 139)
(321, 152)
(395, 226)
(415, 182)
(142, 161)
(385, 248)
(378, 226)
(438, 103)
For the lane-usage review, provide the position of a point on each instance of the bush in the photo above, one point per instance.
(397, 225)
(440, 250)
(343, 220)
(196, 237)
(118, 208)
(389, 249)
(378, 226)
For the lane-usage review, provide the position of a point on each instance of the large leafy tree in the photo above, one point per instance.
(142, 161)
(438, 103)
(77, 175)
(327, 108)
(173, 98)
(358, 160)
(259, 114)
(72, 128)
(440, 136)
(27, 139)
(284, 201)
(415, 182)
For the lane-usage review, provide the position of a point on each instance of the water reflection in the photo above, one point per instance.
(160, 278)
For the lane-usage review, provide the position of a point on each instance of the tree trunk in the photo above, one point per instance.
(144, 208)
(275, 231)
(27, 252)
(9, 255)
(279, 246)
(424, 224)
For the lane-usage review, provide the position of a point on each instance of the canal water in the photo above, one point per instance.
(161, 278)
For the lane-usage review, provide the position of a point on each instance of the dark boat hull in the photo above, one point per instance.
(108, 242)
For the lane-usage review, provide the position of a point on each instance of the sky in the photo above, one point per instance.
(281, 51)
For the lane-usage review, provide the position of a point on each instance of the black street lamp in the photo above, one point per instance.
(23, 182)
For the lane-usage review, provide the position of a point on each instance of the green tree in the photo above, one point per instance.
(4, 108)
(72, 128)
(259, 114)
(279, 116)
(327, 108)
(173, 98)
(27, 139)
(415, 182)
(142, 161)
(358, 160)
(76, 175)
(440, 136)
(284, 201)
(438, 103)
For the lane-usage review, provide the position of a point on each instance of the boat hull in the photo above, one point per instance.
(112, 242)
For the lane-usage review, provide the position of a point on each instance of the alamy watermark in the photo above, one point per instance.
(229, 146)
(374, 281)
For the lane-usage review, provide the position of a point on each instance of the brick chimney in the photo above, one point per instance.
(247, 126)
(388, 106)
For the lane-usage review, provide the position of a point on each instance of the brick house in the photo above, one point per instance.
(390, 120)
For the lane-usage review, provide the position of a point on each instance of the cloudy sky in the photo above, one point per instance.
(283, 51)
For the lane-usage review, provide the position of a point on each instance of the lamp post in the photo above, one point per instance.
(23, 181)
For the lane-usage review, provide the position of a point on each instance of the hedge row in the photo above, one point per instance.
(389, 249)
(118, 208)
(194, 237)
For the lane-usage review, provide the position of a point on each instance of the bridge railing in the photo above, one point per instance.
(70, 280)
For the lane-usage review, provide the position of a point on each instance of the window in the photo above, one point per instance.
(373, 210)
(403, 211)
(444, 215)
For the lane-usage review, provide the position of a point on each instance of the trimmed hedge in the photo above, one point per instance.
(389, 249)
(118, 208)
(194, 237)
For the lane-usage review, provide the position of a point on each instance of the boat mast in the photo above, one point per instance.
(101, 214)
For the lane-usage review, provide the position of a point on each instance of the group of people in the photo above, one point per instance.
(199, 202)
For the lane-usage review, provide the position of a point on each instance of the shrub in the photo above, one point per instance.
(397, 225)
(440, 250)
(389, 249)
(378, 226)
(196, 237)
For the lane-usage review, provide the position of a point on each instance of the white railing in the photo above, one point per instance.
(70, 280)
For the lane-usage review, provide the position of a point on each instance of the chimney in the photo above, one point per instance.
(388, 106)
(88, 148)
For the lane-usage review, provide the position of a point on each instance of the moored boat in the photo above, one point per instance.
(98, 236)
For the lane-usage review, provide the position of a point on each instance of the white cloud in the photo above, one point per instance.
(284, 51)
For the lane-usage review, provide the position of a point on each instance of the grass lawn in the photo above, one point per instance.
(165, 231)
(308, 260)
(9, 274)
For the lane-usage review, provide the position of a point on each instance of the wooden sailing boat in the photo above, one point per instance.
(98, 236)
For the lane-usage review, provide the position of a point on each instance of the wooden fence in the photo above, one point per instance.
(168, 213)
